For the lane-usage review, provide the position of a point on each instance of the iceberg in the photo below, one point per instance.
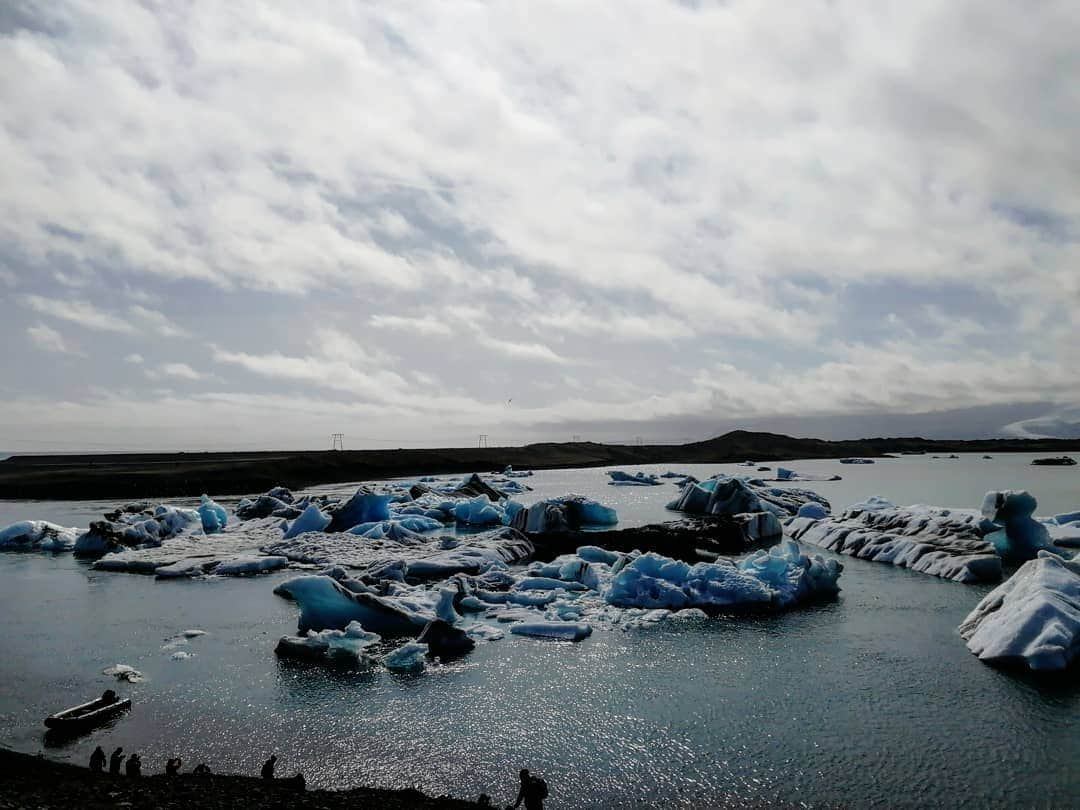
(1022, 536)
(213, 515)
(561, 631)
(39, 535)
(365, 506)
(779, 578)
(1031, 619)
(564, 514)
(326, 604)
(247, 565)
(350, 645)
(858, 460)
(123, 672)
(266, 506)
(625, 479)
(944, 543)
(312, 519)
(723, 495)
(409, 657)
(478, 511)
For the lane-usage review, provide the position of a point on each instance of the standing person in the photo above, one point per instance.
(172, 766)
(97, 760)
(134, 766)
(268, 767)
(533, 791)
(115, 761)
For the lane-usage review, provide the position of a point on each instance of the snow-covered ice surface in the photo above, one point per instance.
(1032, 619)
(947, 543)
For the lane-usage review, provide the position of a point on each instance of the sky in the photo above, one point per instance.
(251, 225)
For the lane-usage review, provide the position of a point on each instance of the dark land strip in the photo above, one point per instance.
(162, 475)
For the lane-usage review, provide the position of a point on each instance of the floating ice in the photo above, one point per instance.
(778, 578)
(562, 631)
(213, 515)
(326, 604)
(38, 535)
(478, 511)
(312, 519)
(1022, 536)
(1033, 618)
(365, 506)
(723, 495)
(564, 514)
(409, 657)
(123, 672)
(266, 506)
(857, 460)
(815, 511)
(350, 645)
(625, 479)
(945, 543)
(443, 640)
(247, 565)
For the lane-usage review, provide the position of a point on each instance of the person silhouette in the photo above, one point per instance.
(97, 760)
(134, 766)
(268, 767)
(116, 759)
(533, 791)
(172, 766)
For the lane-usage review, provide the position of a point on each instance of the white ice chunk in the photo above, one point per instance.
(563, 631)
(246, 565)
(1032, 618)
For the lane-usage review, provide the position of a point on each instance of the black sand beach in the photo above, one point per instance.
(33, 781)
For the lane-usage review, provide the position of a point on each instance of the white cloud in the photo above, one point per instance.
(79, 312)
(180, 370)
(48, 339)
(135, 359)
(491, 195)
(157, 321)
(423, 325)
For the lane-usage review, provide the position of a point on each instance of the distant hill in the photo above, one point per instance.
(159, 475)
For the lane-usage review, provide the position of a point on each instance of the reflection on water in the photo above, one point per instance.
(873, 698)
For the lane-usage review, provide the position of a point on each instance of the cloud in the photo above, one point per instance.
(79, 312)
(858, 217)
(180, 370)
(157, 321)
(134, 359)
(48, 339)
(423, 325)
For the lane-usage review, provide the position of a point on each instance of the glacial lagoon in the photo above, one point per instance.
(872, 698)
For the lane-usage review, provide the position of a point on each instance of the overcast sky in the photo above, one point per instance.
(254, 224)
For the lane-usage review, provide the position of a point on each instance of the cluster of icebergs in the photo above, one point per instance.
(387, 584)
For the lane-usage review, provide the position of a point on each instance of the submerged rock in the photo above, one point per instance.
(443, 640)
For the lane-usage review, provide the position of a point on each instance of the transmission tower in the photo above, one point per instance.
(337, 441)
(481, 440)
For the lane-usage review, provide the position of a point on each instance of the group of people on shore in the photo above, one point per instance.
(532, 792)
(133, 768)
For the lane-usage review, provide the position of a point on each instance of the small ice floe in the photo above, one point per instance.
(638, 479)
(123, 672)
(181, 655)
(409, 657)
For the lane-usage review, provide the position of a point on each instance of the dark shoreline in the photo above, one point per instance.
(162, 475)
(33, 781)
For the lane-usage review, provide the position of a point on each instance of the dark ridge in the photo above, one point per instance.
(161, 475)
(33, 781)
